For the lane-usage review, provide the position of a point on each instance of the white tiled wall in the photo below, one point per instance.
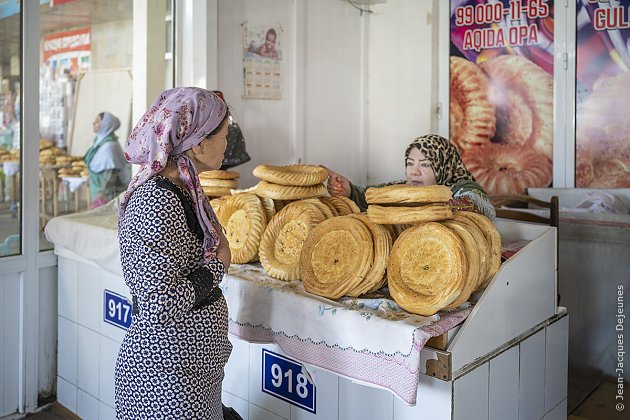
(471, 394)
(556, 363)
(503, 386)
(532, 377)
(88, 361)
(67, 394)
(87, 346)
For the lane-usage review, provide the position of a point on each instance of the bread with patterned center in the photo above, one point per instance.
(244, 220)
(282, 240)
(426, 268)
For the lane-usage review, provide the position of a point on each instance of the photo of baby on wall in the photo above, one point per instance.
(262, 61)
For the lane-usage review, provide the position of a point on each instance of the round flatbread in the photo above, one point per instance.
(219, 174)
(216, 191)
(336, 257)
(401, 193)
(225, 183)
(483, 246)
(375, 278)
(269, 206)
(426, 268)
(282, 240)
(243, 218)
(285, 192)
(493, 238)
(342, 205)
(297, 175)
(406, 215)
(473, 266)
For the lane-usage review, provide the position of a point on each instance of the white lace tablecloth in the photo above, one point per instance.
(369, 340)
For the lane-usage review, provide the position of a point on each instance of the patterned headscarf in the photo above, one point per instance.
(179, 119)
(444, 158)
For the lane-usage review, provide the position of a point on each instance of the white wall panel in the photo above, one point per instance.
(67, 394)
(90, 300)
(47, 356)
(88, 358)
(532, 377)
(503, 387)
(87, 405)
(67, 297)
(107, 363)
(556, 364)
(9, 339)
(470, 395)
(236, 380)
(327, 397)
(433, 401)
(401, 84)
(363, 402)
(267, 125)
(240, 405)
(350, 100)
(331, 85)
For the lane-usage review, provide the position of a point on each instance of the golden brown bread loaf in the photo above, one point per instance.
(297, 175)
(336, 256)
(404, 194)
(243, 218)
(427, 268)
(282, 240)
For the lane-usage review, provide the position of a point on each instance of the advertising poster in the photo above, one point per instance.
(602, 116)
(501, 91)
(69, 50)
(262, 61)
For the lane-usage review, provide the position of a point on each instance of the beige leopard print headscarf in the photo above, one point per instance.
(444, 158)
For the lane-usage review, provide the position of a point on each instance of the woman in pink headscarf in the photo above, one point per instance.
(174, 254)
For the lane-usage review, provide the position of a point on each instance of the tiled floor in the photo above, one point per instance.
(600, 405)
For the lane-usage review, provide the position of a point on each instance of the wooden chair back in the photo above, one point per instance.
(515, 201)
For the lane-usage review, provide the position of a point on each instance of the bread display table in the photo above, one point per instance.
(299, 356)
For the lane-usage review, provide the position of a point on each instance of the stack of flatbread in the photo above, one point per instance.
(218, 183)
(404, 204)
(437, 266)
(290, 182)
(12, 155)
(74, 166)
(48, 153)
(345, 256)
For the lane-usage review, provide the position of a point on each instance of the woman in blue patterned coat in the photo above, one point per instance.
(174, 254)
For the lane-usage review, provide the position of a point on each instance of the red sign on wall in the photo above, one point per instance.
(69, 41)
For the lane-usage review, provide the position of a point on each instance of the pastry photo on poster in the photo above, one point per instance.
(501, 91)
(262, 61)
(602, 121)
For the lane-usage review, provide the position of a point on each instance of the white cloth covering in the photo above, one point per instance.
(74, 182)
